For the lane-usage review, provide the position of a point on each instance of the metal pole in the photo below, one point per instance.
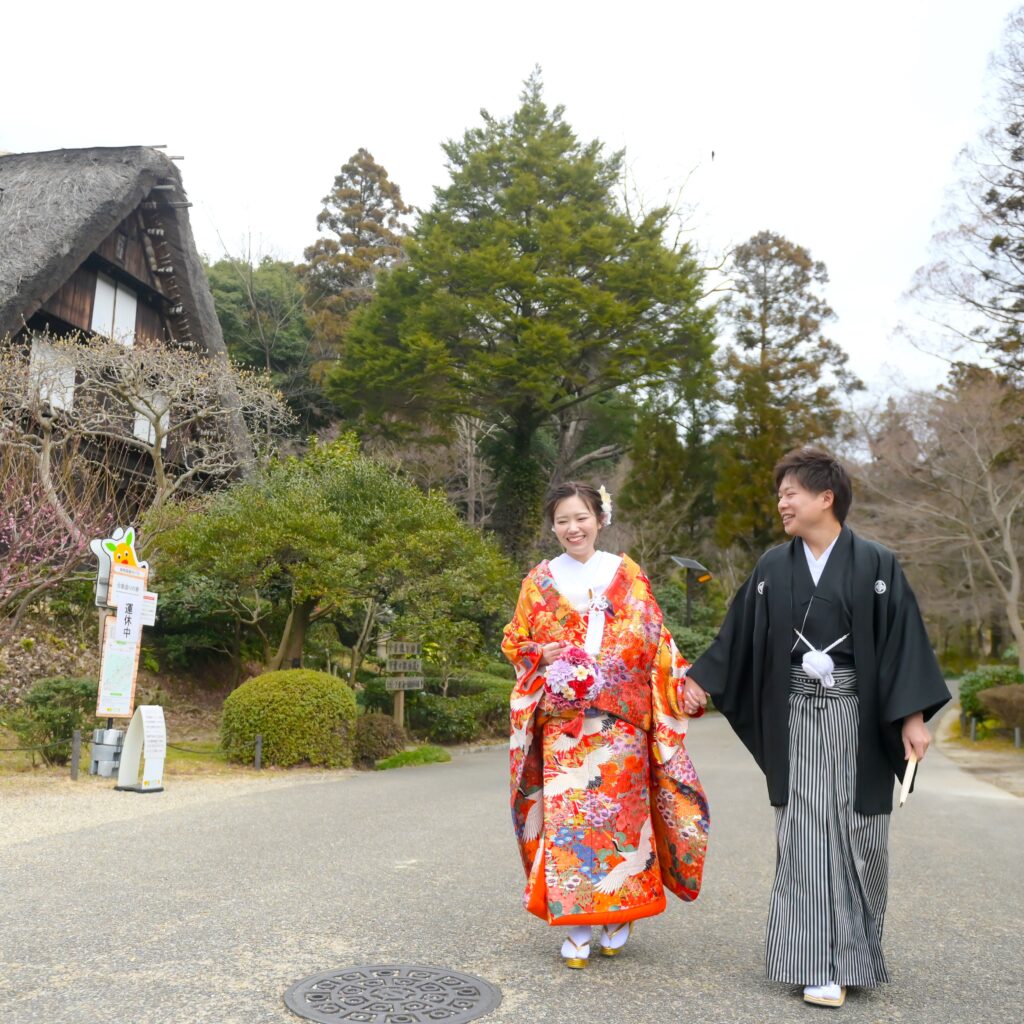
(76, 753)
(689, 595)
(974, 729)
(1016, 736)
(400, 707)
(258, 759)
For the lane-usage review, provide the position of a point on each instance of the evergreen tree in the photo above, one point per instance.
(361, 222)
(528, 293)
(780, 374)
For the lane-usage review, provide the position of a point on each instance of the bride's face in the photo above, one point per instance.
(576, 527)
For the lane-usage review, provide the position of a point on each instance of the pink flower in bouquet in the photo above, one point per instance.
(573, 679)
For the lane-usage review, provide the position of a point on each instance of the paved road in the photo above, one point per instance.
(207, 913)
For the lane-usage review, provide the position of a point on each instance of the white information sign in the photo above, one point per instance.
(134, 607)
(145, 742)
(117, 674)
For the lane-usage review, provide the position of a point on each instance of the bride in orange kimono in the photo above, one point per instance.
(607, 808)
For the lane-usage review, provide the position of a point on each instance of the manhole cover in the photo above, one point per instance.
(392, 994)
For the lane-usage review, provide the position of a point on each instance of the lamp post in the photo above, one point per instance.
(702, 573)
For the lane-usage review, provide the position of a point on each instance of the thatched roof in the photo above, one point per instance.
(57, 207)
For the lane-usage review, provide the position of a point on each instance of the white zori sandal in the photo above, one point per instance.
(825, 995)
(614, 937)
(576, 947)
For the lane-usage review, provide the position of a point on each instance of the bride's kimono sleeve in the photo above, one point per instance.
(522, 644)
(678, 802)
(518, 643)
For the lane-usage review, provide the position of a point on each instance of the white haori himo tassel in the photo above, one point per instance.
(817, 664)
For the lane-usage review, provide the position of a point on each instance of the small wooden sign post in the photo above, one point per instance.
(403, 658)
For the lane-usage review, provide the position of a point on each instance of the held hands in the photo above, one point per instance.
(694, 698)
(916, 736)
(552, 652)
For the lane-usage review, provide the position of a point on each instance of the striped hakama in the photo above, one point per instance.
(828, 901)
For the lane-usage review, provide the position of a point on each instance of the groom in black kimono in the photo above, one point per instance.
(824, 669)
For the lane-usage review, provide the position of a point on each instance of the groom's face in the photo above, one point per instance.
(802, 510)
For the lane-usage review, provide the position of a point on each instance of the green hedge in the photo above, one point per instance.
(304, 716)
(983, 678)
(459, 719)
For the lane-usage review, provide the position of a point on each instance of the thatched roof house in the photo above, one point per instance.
(99, 240)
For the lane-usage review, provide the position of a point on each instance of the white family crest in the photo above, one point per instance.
(880, 587)
(760, 587)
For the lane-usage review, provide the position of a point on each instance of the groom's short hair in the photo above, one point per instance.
(818, 470)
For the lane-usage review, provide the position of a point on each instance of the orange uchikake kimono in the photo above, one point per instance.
(610, 812)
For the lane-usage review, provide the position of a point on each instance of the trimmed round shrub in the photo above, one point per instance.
(304, 717)
(1005, 703)
(984, 678)
(377, 736)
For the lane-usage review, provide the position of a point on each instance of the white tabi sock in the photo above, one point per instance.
(616, 940)
(580, 935)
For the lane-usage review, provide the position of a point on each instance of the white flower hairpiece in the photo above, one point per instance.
(606, 505)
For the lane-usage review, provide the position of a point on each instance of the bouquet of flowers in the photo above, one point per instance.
(573, 680)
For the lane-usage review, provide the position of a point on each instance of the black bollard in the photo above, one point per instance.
(258, 759)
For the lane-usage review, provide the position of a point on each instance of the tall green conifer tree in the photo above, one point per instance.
(528, 292)
(362, 235)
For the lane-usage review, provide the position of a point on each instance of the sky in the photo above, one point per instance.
(836, 125)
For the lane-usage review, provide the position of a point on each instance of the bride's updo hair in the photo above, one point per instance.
(573, 489)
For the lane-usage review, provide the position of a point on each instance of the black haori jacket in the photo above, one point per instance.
(746, 669)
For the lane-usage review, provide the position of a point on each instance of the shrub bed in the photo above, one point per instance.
(377, 736)
(304, 717)
(1005, 703)
(460, 719)
(984, 678)
(52, 709)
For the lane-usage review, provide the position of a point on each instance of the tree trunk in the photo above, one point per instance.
(518, 507)
(289, 651)
(236, 654)
(362, 644)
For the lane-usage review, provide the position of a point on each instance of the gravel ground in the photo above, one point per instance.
(1003, 768)
(206, 902)
(34, 807)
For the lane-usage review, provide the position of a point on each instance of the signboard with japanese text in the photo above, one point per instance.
(404, 683)
(121, 584)
(145, 744)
